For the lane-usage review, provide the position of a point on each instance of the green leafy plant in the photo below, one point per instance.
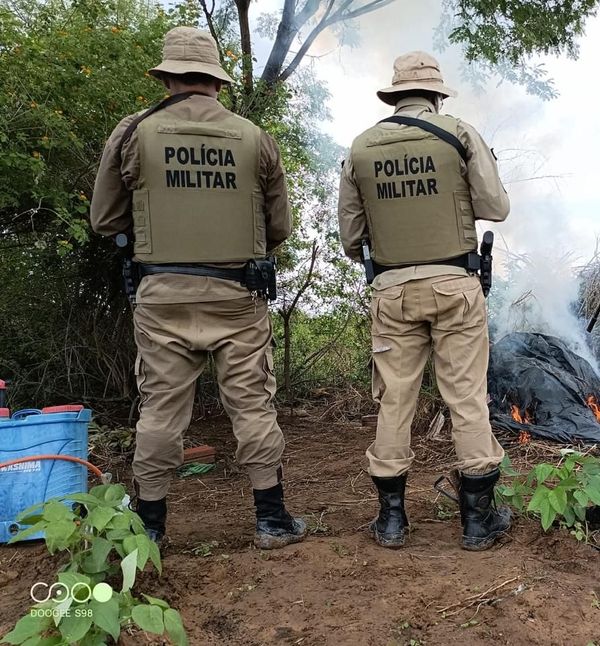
(106, 545)
(560, 492)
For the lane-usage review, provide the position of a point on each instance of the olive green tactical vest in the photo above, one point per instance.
(417, 202)
(198, 198)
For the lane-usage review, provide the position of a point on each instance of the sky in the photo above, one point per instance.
(557, 141)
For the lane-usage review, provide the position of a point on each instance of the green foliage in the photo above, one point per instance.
(503, 36)
(104, 541)
(552, 493)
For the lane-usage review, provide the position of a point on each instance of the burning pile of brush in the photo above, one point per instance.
(539, 387)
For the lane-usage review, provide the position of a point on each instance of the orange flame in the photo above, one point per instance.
(516, 415)
(592, 402)
(524, 438)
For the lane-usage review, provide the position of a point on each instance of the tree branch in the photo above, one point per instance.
(209, 21)
(243, 7)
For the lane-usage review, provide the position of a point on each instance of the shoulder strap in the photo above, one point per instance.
(442, 134)
(165, 103)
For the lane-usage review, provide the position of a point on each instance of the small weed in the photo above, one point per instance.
(595, 601)
(444, 510)
(340, 550)
(202, 549)
(470, 623)
(317, 525)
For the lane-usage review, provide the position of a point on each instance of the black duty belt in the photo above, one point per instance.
(237, 275)
(465, 262)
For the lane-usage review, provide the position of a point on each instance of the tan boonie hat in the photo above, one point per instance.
(415, 71)
(187, 50)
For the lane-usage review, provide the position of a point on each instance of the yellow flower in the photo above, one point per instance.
(36, 154)
(83, 196)
(141, 99)
(33, 104)
(86, 70)
(115, 30)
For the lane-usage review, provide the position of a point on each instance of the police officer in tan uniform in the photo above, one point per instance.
(413, 186)
(203, 193)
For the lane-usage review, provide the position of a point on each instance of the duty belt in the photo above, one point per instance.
(237, 275)
(468, 261)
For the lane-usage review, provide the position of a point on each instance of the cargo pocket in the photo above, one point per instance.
(140, 375)
(386, 309)
(377, 384)
(268, 367)
(459, 302)
(260, 225)
(140, 210)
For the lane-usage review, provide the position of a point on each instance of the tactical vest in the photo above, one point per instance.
(417, 202)
(198, 198)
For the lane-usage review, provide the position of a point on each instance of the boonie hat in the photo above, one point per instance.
(415, 71)
(186, 50)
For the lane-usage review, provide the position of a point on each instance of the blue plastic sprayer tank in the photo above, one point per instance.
(33, 432)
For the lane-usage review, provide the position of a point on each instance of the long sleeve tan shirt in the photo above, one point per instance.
(490, 201)
(118, 176)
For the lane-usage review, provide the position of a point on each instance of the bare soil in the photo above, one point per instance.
(338, 588)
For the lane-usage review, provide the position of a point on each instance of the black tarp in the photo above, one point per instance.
(540, 375)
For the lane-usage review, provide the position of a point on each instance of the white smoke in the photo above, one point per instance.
(540, 295)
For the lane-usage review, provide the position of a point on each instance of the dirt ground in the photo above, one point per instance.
(338, 588)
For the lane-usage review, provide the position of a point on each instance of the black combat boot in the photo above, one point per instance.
(154, 516)
(274, 525)
(482, 522)
(390, 526)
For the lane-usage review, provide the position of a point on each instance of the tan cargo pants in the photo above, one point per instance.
(449, 313)
(173, 344)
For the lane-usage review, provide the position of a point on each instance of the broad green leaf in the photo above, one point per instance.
(82, 498)
(539, 497)
(100, 516)
(153, 601)
(155, 556)
(149, 618)
(28, 626)
(581, 497)
(548, 515)
(118, 534)
(106, 616)
(543, 472)
(57, 535)
(73, 628)
(30, 531)
(97, 559)
(71, 578)
(44, 641)
(558, 500)
(128, 566)
(30, 511)
(129, 544)
(174, 627)
(593, 494)
(62, 609)
(55, 511)
(137, 524)
(569, 515)
(120, 521)
(143, 544)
